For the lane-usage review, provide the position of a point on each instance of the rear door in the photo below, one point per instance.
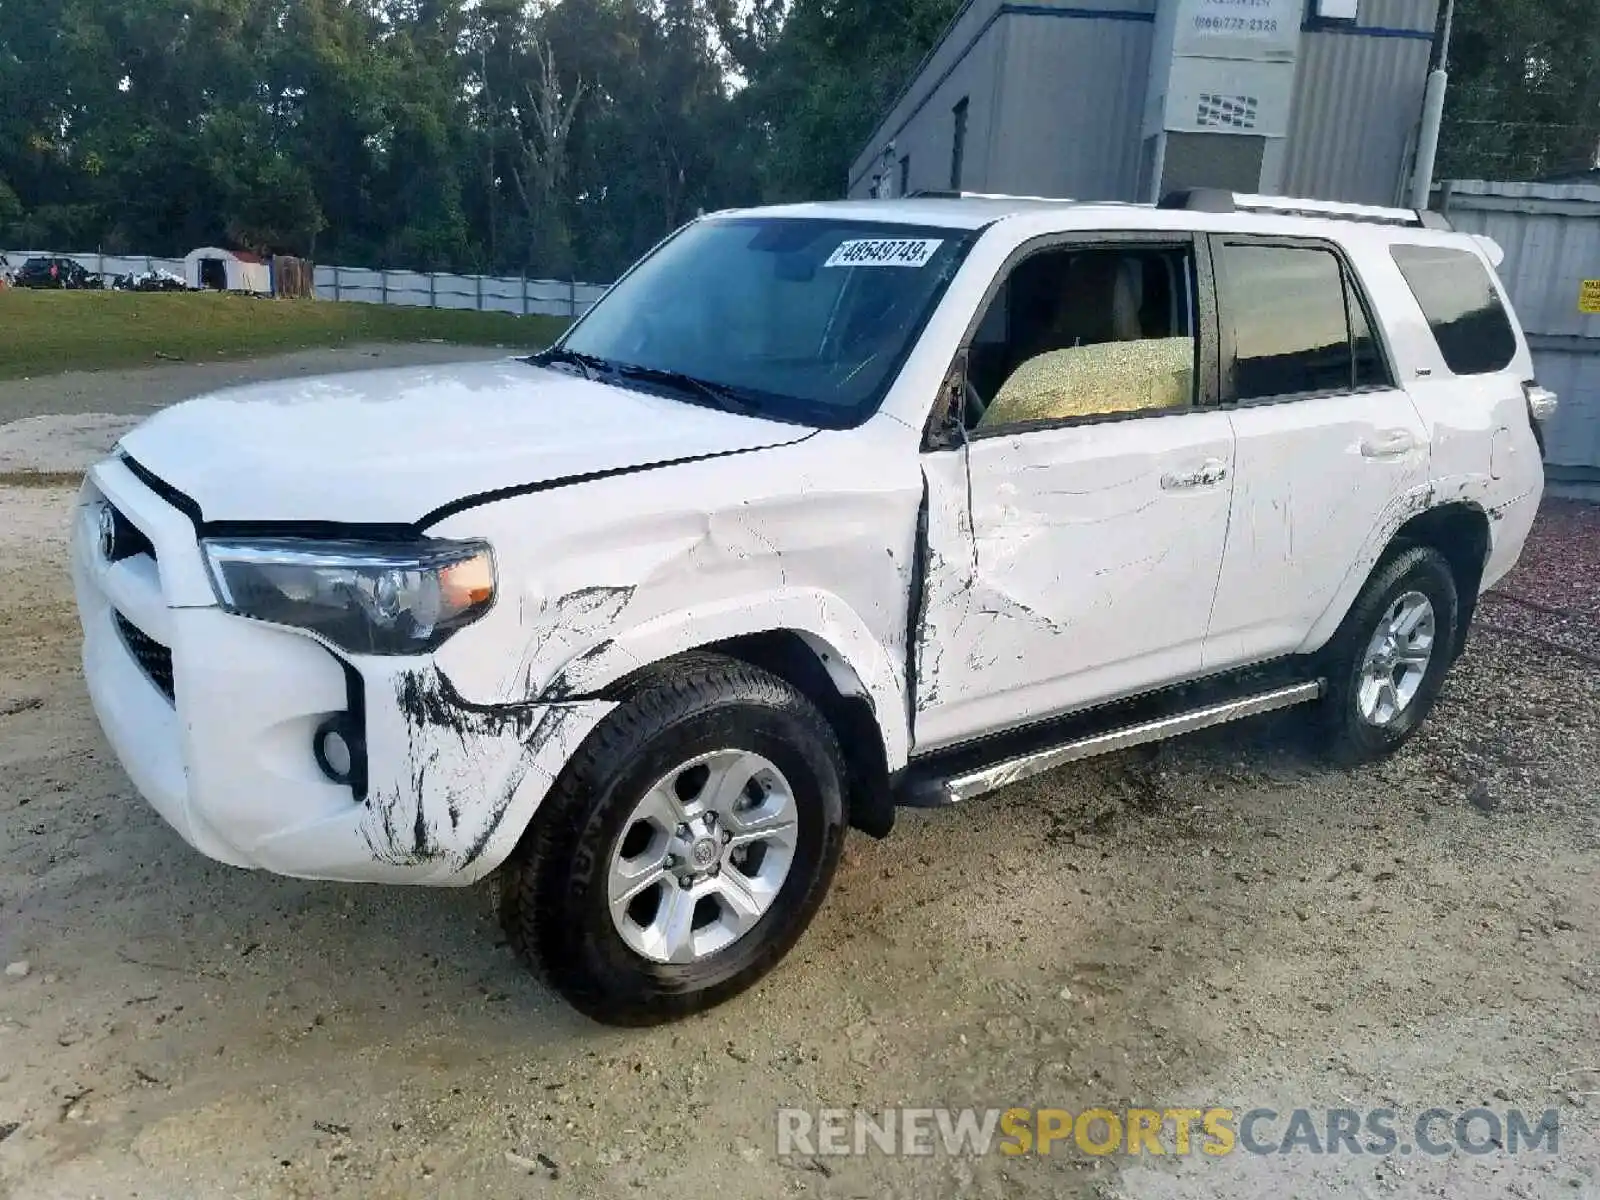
(1327, 446)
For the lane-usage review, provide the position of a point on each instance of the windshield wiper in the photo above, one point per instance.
(589, 364)
(719, 395)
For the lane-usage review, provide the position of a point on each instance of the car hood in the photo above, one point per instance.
(394, 446)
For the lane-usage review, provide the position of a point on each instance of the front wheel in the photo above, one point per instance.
(1388, 661)
(685, 847)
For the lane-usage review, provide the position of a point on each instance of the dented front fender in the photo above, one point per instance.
(605, 577)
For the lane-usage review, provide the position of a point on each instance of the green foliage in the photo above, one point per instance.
(10, 206)
(1524, 89)
(556, 137)
(828, 78)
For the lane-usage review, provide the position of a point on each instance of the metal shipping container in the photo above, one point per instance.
(1551, 236)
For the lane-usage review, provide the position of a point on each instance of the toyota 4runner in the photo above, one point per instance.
(821, 510)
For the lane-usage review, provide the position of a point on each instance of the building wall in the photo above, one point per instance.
(920, 123)
(1074, 93)
(1056, 93)
(1357, 104)
(1551, 236)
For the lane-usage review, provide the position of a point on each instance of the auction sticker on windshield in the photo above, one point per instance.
(885, 252)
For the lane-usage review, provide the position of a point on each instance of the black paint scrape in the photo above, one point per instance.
(586, 612)
(435, 714)
(563, 685)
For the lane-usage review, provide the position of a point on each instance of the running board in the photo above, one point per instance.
(955, 788)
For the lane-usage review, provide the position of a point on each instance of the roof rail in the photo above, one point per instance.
(937, 194)
(1218, 201)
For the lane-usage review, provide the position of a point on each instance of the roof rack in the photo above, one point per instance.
(1216, 200)
(937, 194)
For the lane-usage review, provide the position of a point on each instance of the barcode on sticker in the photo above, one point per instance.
(885, 252)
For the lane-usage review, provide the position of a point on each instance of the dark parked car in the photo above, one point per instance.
(55, 273)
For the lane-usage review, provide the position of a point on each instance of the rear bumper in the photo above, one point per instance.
(226, 758)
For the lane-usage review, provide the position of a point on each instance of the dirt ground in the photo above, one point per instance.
(1227, 923)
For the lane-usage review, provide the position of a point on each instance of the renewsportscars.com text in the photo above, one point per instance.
(973, 1132)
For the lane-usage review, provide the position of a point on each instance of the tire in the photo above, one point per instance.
(556, 889)
(1357, 725)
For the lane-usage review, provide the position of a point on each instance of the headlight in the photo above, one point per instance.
(368, 597)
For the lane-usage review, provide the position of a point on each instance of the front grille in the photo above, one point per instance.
(153, 658)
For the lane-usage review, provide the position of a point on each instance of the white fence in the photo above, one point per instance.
(424, 289)
(486, 293)
(101, 264)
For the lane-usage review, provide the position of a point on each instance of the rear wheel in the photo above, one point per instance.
(1388, 661)
(685, 847)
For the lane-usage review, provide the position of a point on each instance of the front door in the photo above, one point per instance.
(1074, 540)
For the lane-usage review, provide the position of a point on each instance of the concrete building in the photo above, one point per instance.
(1131, 99)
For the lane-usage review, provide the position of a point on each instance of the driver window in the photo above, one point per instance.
(1084, 333)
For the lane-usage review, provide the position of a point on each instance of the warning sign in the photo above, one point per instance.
(1589, 297)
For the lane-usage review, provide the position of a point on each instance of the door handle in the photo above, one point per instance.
(1391, 443)
(1212, 471)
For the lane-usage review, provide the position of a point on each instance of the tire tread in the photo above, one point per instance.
(650, 706)
(1344, 737)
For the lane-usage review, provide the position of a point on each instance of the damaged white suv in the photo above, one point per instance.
(821, 510)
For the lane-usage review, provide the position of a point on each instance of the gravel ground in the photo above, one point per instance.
(1554, 597)
(1224, 922)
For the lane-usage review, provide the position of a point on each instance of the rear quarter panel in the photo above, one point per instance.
(1482, 451)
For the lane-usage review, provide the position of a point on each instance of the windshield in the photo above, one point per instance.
(802, 319)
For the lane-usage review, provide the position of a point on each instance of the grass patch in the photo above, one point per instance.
(43, 333)
(41, 479)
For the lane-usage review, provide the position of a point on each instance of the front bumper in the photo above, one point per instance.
(226, 758)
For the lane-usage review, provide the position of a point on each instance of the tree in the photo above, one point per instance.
(1524, 95)
(544, 116)
(550, 136)
(823, 83)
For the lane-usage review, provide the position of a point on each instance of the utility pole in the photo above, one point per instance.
(1433, 113)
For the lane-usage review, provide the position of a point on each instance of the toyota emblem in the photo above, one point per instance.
(704, 852)
(107, 521)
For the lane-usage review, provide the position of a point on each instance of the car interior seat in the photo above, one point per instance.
(1097, 359)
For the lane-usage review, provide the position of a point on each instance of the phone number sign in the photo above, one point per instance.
(1265, 21)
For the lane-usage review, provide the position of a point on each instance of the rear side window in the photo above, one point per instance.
(1298, 329)
(1463, 309)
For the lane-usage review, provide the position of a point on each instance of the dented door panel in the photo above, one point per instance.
(1318, 482)
(1078, 567)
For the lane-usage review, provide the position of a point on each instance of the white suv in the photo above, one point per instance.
(821, 510)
